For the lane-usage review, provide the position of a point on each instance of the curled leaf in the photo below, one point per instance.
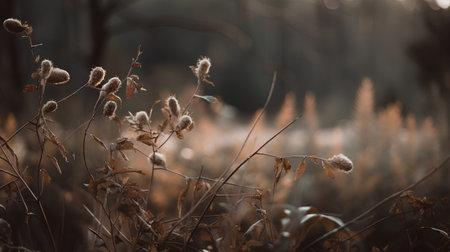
(300, 169)
(328, 170)
(208, 98)
(55, 163)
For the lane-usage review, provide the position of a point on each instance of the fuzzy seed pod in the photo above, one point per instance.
(141, 119)
(96, 76)
(58, 76)
(184, 122)
(14, 26)
(109, 110)
(111, 86)
(174, 107)
(340, 162)
(157, 159)
(202, 68)
(50, 107)
(46, 68)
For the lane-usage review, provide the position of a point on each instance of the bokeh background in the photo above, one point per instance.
(371, 78)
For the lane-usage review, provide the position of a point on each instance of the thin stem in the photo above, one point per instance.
(73, 93)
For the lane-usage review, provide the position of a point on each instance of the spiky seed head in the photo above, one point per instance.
(141, 119)
(340, 162)
(58, 76)
(157, 159)
(109, 110)
(174, 107)
(14, 26)
(111, 86)
(49, 107)
(96, 76)
(46, 68)
(203, 66)
(184, 122)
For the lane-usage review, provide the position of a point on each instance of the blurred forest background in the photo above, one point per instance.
(322, 46)
(371, 77)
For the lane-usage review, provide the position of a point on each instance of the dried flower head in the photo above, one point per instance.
(340, 162)
(141, 118)
(96, 76)
(184, 122)
(46, 68)
(157, 159)
(58, 76)
(111, 86)
(14, 26)
(172, 104)
(50, 107)
(202, 68)
(109, 110)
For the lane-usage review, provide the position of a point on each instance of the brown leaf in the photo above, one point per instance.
(328, 170)
(286, 165)
(313, 159)
(115, 98)
(29, 88)
(146, 139)
(36, 60)
(278, 162)
(181, 197)
(134, 76)
(165, 112)
(55, 163)
(45, 177)
(375, 249)
(300, 169)
(99, 141)
(124, 144)
(35, 75)
(131, 85)
(136, 65)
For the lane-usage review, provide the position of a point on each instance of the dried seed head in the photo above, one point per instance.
(340, 162)
(202, 69)
(109, 110)
(96, 76)
(14, 26)
(157, 159)
(49, 107)
(184, 122)
(111, 86)
(141, 119)
(46, 68)
(174, 107)
(58, 76)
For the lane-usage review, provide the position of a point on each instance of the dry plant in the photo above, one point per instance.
(209, 214)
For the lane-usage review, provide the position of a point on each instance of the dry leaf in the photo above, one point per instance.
(286, 165)
(29, 88)
(134, 76)
(328, 170)
(124, 144)
(55, 163)
(35, 75)
(130, 87)
(136, 65)
(313, 159)
(146, 139)
(300, 169)
(115, 98)
(45, 177)
(36, 60)
(99, 141)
